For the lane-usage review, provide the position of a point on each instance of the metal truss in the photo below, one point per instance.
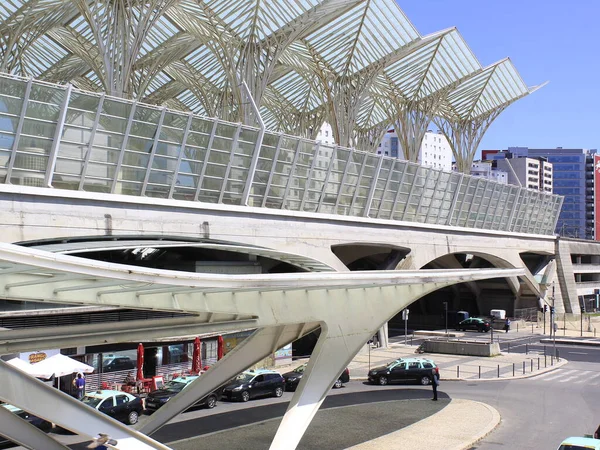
(359, 64)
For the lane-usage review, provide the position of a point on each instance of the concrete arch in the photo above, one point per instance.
(531, 290)
(89, 245)
(374, 255)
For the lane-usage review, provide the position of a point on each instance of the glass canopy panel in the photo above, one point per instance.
(260, 18)
(362, 36)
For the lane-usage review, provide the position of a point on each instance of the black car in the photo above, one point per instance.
(255, 383)
(407, 369)
(161, 396)
(474, 324)
(114, 363)
(292, 379)
(116, 404)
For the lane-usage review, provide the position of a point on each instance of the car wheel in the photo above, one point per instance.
(132, 418)
(211, 402)
(383, 381)
(425, 380)
(245, 396)
(338, 384)
(278, 392)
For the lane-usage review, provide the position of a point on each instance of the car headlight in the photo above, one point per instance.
(165, 400)
(292, 379)
(238, 388)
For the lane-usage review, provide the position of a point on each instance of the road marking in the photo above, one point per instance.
(578, 353)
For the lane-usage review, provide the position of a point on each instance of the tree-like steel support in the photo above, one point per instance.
(464, 136)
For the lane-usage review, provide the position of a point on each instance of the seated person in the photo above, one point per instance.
(129, 379)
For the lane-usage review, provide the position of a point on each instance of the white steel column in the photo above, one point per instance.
(53, 405)
(186, 133)
(15, 146)
(60, 124)
(369, 202)
(259, 345)
(23, 433)
(90, 145)
(358, 315)
(123, 147)
(153, 151)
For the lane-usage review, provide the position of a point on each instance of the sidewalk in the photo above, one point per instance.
(458, 367)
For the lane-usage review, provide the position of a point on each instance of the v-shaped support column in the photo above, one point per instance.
(350, 319)
(262, 343)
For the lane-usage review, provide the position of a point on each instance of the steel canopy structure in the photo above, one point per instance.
(347, 307)
(361, 65)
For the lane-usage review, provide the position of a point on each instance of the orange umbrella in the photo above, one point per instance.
(140, 362)
(196, 356)
(219, 348)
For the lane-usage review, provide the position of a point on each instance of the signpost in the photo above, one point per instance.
(405, 318)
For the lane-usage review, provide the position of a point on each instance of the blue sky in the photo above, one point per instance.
(547, 40)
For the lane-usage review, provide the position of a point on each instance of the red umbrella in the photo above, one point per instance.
(140, 362)
(219, 347)
(196, 357)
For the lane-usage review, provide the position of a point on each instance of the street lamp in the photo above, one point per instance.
(446, 314)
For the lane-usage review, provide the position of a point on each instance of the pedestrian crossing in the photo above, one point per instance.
(571, 376)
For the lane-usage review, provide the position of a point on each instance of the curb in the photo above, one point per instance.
(496, 419)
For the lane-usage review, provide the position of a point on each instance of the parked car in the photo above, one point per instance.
(407, 369)
(580, 443)
(292, 379)
(474, 324)
(253, 384)
(161, 396)
(42, 424)
(116, 404)
(113, 363)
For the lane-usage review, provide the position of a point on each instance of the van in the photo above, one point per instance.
(499, 314)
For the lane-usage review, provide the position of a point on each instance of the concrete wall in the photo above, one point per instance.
(462, 348)
(36, 213)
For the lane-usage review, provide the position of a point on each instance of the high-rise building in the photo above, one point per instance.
(435, 150)
(528, 172)
(571, 175)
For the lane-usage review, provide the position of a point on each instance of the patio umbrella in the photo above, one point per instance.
(140, 362)
(24, 366)
(219, 348)
(59, 365)
(196, 356)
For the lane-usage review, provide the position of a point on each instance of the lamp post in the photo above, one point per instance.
(552, 313)
(446, 314)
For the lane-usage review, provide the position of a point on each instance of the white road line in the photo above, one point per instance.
(554, 376)
(578, 353)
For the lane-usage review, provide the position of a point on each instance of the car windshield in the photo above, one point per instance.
(392, 364)
(575, 447)
(244, 377)
(91, 401)
(174, 386)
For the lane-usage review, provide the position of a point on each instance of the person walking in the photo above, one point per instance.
(435, 382)
(79, 384)
(507, 325)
